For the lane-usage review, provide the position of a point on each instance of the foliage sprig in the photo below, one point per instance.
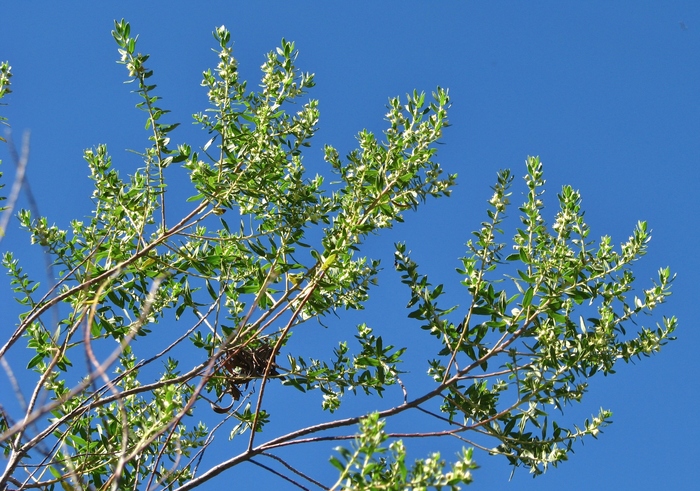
(163, 332)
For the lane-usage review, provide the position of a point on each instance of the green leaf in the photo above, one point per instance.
(527, 298)
(36, 359)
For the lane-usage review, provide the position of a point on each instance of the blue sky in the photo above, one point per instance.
(606, 93)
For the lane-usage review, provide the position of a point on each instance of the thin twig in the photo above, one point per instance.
(279, 474)
(295, 470)
(19, 182)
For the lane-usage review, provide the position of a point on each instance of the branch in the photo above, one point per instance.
(19, 182)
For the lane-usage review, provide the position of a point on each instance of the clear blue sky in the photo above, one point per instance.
(606, 93)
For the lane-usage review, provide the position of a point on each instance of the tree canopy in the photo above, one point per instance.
(160, 332)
